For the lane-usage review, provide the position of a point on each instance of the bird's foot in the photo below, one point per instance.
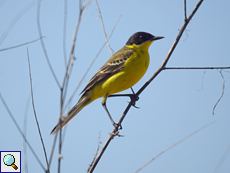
(134, 98)
(117, 126)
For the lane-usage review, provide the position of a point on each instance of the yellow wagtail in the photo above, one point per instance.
(123, 70)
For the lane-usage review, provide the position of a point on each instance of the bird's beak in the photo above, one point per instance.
(156, 38)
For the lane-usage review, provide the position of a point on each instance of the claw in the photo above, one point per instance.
(133, 104)
(116, 134)
(134, 98)
(117, 126)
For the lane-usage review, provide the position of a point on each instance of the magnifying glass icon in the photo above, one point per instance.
(9, 160)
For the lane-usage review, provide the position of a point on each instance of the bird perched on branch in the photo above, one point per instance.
(123, 70)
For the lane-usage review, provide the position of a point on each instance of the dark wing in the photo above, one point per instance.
(111, 67)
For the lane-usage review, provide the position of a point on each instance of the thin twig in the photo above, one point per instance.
(24, 132)
(21, 133)
(202, 81)
(194, 68)
(52, 149)
(64, 32)
(43, 44)
(222, 160)
(97, 150)
(185, 11)
(145, 85)
(16, 18)
(222, 94)
(35, 116)
(178, 142)
(99, 11)
(23, 44)
(53, 146)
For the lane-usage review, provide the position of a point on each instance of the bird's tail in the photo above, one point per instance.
(83, 101)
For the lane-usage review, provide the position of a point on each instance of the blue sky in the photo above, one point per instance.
(170, 108)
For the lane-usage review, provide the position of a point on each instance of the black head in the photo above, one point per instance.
(140, 37)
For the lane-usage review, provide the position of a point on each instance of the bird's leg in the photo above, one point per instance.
(120, 95)
(133, 97)
(117, 126)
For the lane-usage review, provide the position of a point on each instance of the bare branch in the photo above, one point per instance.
(14, 21)
(222, 160)
(35, 115)
(99, 11)
(194, 68)
(64, 32)
(145, 85)
(53, 146)
(178, 142)
(185, 11)
(52, 150)
(21, 133)
(97, 150)
(222, 94)
(23, 44)
(24, 132)
(43, 44)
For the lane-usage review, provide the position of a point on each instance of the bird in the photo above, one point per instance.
(123, 70)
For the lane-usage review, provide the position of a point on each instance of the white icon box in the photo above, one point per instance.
(10, 161)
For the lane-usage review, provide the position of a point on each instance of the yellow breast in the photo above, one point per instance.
(134, 69)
